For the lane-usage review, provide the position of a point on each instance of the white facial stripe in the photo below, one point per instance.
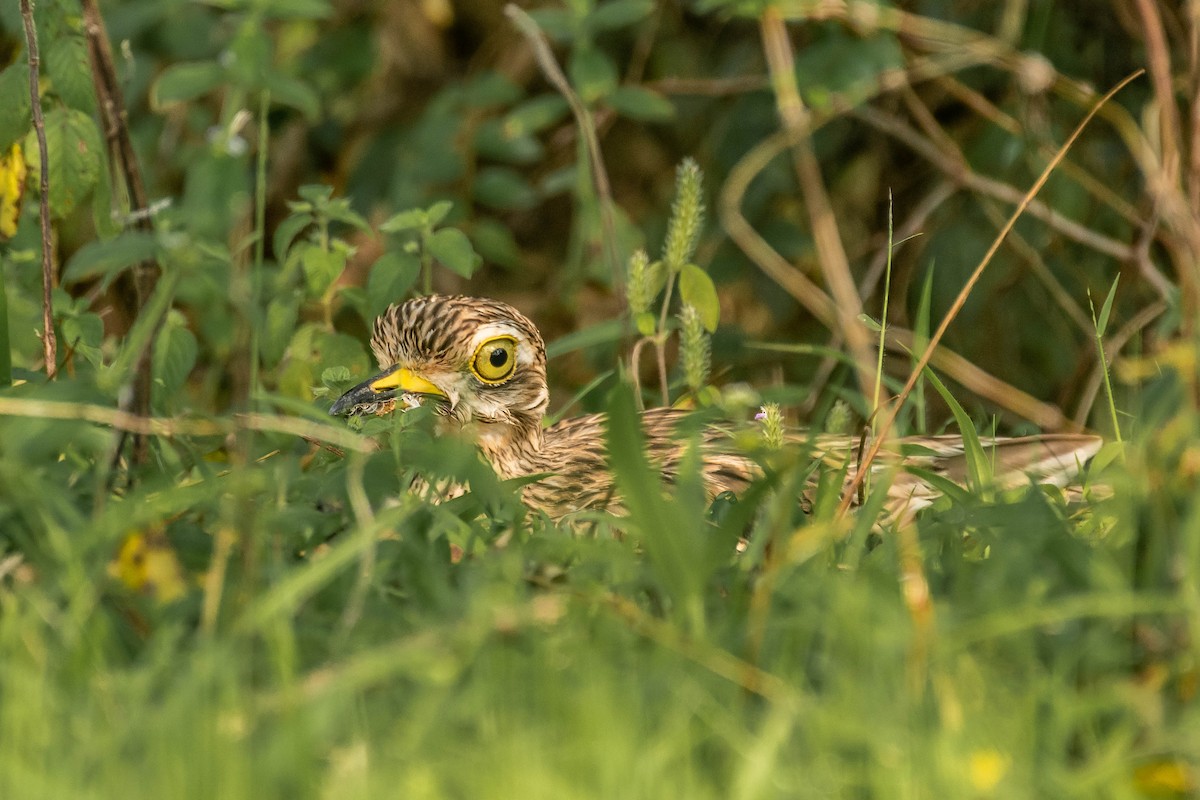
(491, 331)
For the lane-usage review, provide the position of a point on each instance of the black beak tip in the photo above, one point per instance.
(346, 404)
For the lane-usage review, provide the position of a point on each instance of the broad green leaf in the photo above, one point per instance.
(14, 99)
(617, 14)
(175, 352)
(593, 74)
(83, 334)
(411, 220)
(490, 89)
(73, 145)
(289, 91)
(697, 289)
(640, 103)
(287, 231)
(496, 243)
(340, 211)
(535, 115)
(505, 189)
(317, 194)
(453, 249)
(294, 9)
(493, 142)
(392, 275)
(70, 74)
(321, 268)
(183, 82)
(437, 212)
(106, 259)
(279, 322)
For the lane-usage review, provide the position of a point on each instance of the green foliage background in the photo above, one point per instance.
(259, 609)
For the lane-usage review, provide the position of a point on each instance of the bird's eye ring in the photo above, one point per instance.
(495, 360)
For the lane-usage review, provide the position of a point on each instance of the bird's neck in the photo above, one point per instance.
(513, 446)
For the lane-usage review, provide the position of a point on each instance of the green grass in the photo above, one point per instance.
(1056, 658)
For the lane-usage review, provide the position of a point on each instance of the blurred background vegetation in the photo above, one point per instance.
(306, 162)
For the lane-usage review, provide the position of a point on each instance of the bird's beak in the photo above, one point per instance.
(383, 387)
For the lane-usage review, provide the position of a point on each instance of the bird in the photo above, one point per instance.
(481, 365)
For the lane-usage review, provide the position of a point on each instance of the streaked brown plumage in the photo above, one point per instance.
(484, 365)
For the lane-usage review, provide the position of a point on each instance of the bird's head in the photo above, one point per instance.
(476, 360)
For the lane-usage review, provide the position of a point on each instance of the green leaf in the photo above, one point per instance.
(697, 289)
(979, 471)
(73, 145)
(106, 259)
(667, 533)
(496, 243)
(294, 9)
(183, 82)
(453, 249)
(490, 89)
(175, 352)
(557, 23)
(321, 268)
(617, 14)
(411, 220)
(84, 333)
(593, 74)
(392, 275)
(289, 91)
(504, 189)
(287, 232)
(870, 322)
(646, 323)
(14, 99)
(437, 212)
(1106, 309)
(640, 103)
(69, 72)
(277, 328)
(340, 211)
(535, 115)
(493, 142)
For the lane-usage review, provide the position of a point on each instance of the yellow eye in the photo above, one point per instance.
(495, 360)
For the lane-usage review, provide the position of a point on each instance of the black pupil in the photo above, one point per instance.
(499, 357)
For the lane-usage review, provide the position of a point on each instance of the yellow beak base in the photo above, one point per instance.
(406, 381)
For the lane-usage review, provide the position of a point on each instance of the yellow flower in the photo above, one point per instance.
(987, 768)
(147, 564)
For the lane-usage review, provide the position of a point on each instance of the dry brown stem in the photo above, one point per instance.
(889, 420)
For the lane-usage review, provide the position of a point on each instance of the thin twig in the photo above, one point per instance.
(999, 190)
(49, 341)
(135, 286)
(583, 118)
(922, 362)
(831, 254)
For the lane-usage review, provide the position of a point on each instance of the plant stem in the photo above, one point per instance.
(49, 342)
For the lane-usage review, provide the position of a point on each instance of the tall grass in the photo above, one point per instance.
(1058, 659)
